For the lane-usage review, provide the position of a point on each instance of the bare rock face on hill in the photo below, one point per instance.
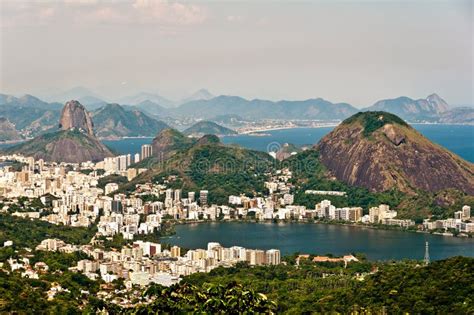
(74, 143)
(74, 115)
(379, 151)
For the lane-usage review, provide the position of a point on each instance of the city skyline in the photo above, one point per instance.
(344, 52)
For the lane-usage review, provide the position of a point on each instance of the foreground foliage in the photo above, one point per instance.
(231, 298)
(443, 287)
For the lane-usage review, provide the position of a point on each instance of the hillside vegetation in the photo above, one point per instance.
(209, 165)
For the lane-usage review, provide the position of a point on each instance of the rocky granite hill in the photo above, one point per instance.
(379, 151)
(75, 116)
(75, 142)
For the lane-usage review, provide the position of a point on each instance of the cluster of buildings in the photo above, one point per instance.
(75, 199)
(143, 262)
(121, 163)
(461, 222)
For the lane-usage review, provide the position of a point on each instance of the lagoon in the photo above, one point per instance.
(322, 239)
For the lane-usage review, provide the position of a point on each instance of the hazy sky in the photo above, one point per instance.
(351, 51)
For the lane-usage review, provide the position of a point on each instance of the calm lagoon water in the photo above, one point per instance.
(322, 239)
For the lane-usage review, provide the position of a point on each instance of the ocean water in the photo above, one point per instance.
(456, 138)
(127, 145)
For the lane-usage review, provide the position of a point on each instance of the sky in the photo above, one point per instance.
(344, 51)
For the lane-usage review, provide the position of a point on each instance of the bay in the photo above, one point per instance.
(459, 139)
(322, 239)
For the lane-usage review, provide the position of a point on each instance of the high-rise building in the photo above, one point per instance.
(117, 206)
(31, 163)
(466, 212)
(380, 213)
(121, 163)
(147, 151)
(136, 158)
(191, 196)
(177, 195)
(203, 197)
(273, 257)
(169, 193)
(355, 214)
(175, 251)
(256, 257)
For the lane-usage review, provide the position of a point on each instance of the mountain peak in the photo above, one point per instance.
(438, 103)
(168, 142)
(75, 116)
(380, 151)
(208, 139)
(374, 120)
(113, 106)
(201, 94)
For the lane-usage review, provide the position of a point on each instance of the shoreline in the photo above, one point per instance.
(284, 128)
(122, 138)
(259, 130)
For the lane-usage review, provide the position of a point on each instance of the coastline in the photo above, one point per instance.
(258, 130)
(122, 138)
(250, 132)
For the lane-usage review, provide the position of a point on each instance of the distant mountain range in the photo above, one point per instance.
(113, 120)
(428, 109)
(143, 96)
(32, 116)
(93, 100)
(203, 105)
(201, 94)
(319, 109)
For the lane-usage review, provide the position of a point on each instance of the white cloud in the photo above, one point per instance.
(159, 12)
(25, 14)
(167, 12)
(106, 15)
